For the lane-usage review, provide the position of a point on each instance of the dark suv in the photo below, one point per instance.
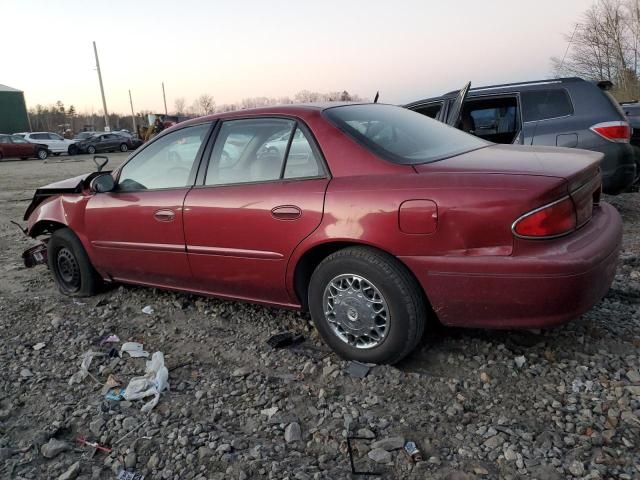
(564, 112)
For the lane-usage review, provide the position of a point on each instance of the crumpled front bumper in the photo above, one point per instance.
(36, 255)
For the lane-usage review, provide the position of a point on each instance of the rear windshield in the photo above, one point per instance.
(400, 135)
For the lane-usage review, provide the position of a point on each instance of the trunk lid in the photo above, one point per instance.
(576, 166)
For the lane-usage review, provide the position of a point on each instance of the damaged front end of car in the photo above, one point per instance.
(42, 224)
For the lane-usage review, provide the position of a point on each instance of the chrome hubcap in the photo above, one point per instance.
(356, 311)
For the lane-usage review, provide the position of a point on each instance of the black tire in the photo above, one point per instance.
(72, 150)
(0, 155)
(124, 147)
(405, 304)
(70, 265)
(56, 154)
(42, 154)
(91, 149)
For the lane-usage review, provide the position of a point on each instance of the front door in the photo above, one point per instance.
(22, 148)
(262, 195)
(453, 116)
(136, 231)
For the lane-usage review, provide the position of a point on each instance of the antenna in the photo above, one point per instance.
(375, 100)
(164, 97)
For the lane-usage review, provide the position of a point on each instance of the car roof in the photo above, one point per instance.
(520, 86)
(294, 109)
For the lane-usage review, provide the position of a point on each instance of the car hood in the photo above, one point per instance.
(70, 185)
(572, 164)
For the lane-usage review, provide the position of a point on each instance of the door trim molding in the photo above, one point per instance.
(233, 252)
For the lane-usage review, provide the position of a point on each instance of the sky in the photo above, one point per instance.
(406, 49)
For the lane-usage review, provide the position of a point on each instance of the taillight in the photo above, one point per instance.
(619, 131)
(553, 220)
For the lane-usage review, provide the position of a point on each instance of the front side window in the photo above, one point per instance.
(4, 139)
(431, 110)
(400, 135)
(166, 163)
(545, 104)
(18, 140)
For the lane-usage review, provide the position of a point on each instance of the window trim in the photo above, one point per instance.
(519, 110)
(444, 105)
(325, 172)
(194, 169)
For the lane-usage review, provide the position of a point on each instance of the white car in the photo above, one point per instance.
(56, 143)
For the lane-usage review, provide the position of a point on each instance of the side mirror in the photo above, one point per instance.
(102, 183)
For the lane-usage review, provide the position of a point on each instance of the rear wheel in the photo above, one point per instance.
(68, 261)
(91, 149)
(42, 154)
(367, 306)
(124, 147)
(72, 150)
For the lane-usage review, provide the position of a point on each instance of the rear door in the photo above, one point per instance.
(453, 117)
(136, 231)
(57, 143)
(547, 116)
(22, 148)
(260, 197)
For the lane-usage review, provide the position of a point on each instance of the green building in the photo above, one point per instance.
(13, 111)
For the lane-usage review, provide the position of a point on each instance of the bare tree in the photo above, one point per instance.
(206, 104)
(605, 45)
(179, 106)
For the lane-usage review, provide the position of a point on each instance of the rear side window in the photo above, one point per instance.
(431, 110)
(400, 135)
(545, 104)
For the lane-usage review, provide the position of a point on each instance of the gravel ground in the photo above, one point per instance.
(555, 404)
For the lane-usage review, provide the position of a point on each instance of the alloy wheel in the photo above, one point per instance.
(356, 311)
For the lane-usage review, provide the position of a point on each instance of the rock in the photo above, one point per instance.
(71, 473)
(484, 377)
(26, 373)
(269, 412)
(576, 468)
(494, 442)
(153, 462)
(480, 471)
(365, 433)
(130, 460)
(204, 453)
(224, 448)
(389, 444)
(96, 426)
(129, 423)
(379, 455)
(633, 376)
(54, 447)
(630, 418)
(39, 346)
(241, 372)
(293, 433)
(456, 475)
(520, 361)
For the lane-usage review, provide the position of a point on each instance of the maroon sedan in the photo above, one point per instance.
(370, 216)
(13, 146)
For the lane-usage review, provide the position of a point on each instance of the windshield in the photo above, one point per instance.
(400, 135)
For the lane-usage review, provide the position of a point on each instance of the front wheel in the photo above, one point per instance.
(68, 261)
(367, 306)
(124, 147)
(72, 150)
(91, 149)
(42, 154)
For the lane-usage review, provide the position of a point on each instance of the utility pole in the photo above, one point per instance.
(104, 101)
(164, 97)
(133, 115)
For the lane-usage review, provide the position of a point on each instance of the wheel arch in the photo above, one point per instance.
(312, 257)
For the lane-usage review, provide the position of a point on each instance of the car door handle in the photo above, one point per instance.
(164, 215)
(286, 212)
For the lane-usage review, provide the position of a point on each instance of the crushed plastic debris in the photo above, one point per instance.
(96, 445)
(155, 381)
(115, 394)
(148, 310)
(411, 449)
(39, 346)
(111, 382)
(125, 475)
(110, 339)
(134, 349)
(87, 358)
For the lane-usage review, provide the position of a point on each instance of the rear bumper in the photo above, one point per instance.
(554, 282)
(618, 167)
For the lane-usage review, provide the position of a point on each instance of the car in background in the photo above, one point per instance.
(632, 111)
(105, 142)
(54, 142)
(135, 141)
(85, 135)
(400, 219)
(14, 146)
(564, 112)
